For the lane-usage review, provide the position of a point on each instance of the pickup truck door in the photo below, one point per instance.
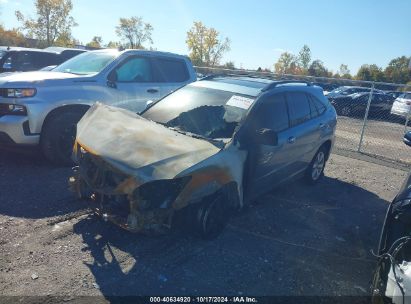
(135, 83)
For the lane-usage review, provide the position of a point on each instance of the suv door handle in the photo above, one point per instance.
(291, 140)
(152, 91)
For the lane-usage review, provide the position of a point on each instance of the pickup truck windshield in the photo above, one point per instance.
(86, 63)
(204, 111)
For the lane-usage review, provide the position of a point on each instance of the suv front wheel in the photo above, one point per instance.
(58, 135)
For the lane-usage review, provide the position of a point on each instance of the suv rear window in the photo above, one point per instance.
(170, 70)
(298, 108)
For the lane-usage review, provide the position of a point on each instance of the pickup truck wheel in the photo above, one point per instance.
(58, 135)
(211, 217)
(315, 170)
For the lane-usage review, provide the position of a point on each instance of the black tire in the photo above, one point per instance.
(315, 170)
(346, 111)
(211, 217)
(58, 135)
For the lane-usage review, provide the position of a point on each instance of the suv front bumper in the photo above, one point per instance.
(15, 130)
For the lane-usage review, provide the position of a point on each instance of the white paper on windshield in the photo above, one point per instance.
(240, 102)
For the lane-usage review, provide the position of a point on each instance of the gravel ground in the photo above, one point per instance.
(297, 240)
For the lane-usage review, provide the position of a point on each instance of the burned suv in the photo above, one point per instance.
(201, 152)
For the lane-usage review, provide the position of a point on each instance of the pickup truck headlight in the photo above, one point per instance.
(20, 93)
(12, 109)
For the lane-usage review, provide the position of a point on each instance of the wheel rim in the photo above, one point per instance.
(213, 220)
(318, 165)
(345, 111)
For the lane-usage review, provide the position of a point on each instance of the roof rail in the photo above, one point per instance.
(280, 82)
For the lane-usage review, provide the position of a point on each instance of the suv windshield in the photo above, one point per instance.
(87, 63)
(204, 111)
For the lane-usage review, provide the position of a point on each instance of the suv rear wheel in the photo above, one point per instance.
(58, 135)
(315, 170)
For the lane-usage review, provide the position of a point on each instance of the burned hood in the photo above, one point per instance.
(137, 146)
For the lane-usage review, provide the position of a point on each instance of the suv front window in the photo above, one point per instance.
(87, 63)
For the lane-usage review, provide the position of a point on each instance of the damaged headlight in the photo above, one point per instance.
(159, 193)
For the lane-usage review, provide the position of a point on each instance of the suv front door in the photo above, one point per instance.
(267, 163)
(135, 83)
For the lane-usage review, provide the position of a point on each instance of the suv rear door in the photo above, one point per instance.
(305, 130)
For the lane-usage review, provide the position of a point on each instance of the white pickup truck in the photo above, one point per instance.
(43, 107)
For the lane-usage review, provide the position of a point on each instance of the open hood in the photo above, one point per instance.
(137, 146)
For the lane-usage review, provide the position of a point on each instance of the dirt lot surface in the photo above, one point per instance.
(297, 240)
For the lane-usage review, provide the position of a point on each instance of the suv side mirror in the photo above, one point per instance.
(112, 79)
(266, 137)
(407, 138)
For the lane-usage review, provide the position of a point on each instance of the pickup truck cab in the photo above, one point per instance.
(43, 107)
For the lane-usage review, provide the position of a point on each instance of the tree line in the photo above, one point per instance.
(396, 71)
(53, 23)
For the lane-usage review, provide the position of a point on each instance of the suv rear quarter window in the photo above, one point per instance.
(298, 108)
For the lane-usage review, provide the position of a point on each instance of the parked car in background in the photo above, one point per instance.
(394, 94)
(356, 104)
(402, 105)
(392, 277)
(17, 59)
(43, 107)
(206, 149)
(65, 53)
(347, 90)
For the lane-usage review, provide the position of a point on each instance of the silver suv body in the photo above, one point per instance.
(208, 148)
(32, 101)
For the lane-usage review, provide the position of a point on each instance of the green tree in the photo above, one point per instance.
(304, 57)
(318, 69)
(96, 42)
(344, 72)
(287, 64)
(397, 70)
(205, 46)
(370, 72)
(113, 45)
(52, 21)
(135, 32)
(229, 65)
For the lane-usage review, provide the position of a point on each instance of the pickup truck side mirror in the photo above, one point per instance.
(407, 138)
(112, 79)
(266, 137)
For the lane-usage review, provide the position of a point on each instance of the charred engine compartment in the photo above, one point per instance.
(147, 207)
(392, 279)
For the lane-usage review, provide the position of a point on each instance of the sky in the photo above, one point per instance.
(352, 32)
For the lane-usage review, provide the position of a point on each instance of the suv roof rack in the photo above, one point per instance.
(280, 82)
(274, 78)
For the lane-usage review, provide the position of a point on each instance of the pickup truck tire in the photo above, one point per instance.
(58, 135)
